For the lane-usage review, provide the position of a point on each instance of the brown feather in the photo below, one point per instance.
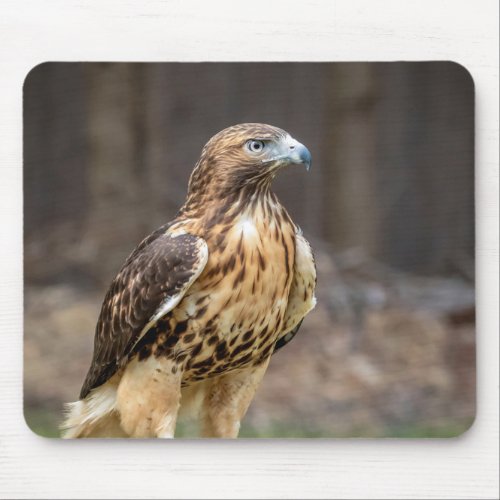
(158, 269)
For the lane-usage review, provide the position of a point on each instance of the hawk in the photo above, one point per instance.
(192, 318)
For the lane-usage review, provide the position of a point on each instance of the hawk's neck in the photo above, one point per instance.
(258, 205)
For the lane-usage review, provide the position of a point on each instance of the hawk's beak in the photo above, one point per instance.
(297, 153)
(287, 151)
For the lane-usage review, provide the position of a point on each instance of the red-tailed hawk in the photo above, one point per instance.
(192, 318)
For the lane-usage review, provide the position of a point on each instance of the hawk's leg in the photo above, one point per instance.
(148, 398)
(227, 400)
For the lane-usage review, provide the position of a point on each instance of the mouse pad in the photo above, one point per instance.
(249, 250)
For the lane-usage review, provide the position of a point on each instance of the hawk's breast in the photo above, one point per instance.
(234, 311)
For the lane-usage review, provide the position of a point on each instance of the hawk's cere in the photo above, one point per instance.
(193, 317)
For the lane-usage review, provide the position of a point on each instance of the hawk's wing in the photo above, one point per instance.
(151, 283)
(284, 339)
(301, 299)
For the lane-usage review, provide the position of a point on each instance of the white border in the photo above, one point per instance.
(76, 30)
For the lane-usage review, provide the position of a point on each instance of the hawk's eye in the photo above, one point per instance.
(255, 146)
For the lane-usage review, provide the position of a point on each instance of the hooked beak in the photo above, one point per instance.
(288, 151)
(294, 152)
(299, 154)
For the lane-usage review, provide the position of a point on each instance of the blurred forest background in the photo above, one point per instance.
(388, 207)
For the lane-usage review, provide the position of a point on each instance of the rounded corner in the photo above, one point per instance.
(33, 71)
(465, 72)
(468, 427)
(34, 430)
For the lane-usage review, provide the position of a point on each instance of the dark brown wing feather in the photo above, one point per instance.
(283, 341)
(161, 267)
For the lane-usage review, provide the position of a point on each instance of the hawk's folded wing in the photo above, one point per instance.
(151, 283)
(301, 299)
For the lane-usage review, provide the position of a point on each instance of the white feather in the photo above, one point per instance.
(247, 226)
(80, 414)
(166, 306)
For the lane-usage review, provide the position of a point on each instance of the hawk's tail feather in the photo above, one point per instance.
(94, 416)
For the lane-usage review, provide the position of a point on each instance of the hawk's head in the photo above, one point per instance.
(245, 156)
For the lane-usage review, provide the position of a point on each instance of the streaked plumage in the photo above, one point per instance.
(194, 315)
